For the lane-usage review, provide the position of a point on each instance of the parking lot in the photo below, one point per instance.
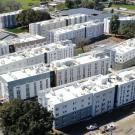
(123, 118)
(125, 126)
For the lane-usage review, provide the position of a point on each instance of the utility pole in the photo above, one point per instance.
(111, 131)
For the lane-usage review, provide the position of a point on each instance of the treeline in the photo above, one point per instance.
(96, 4)
(9, 5)
(126, 30)
(30, 16)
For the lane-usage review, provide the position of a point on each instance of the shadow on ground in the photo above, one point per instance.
(115, 115)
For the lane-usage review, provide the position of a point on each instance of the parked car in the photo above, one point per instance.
(92, 127)
(108, 127)
(112, 126)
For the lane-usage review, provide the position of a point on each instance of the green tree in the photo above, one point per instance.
(25, 118)
(2, 6)
(88, 3)
(13, 5)
(112, 11)
(69, 4)
(127, 30)
(9, 5)
(77, 2)
(114, 24)
(30, 16)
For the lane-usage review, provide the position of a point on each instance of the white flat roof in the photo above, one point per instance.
(22, 38)
(127, 18)
(75, 90)
(10, 13)
(75, 27)
(33, 52)
(42, 68)
(76, 61)
(86, 86)
(125, 47)
(26, 72)
(59, 19)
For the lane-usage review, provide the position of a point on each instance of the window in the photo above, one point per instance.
(47, 86)
(41, 85)
(56, 109)
(0, 86)
(27, 91)
(64, 106)
(35, 88)
(18, 92)
(64, 112)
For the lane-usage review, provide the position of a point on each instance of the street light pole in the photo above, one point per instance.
(111, 131)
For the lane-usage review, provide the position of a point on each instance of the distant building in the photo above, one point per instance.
(21, 42)
(78, 33)
(28, 57)
(123, 54)
(119, 1)
(123, 20)
(8, 20)
(92, 13)
(25, 83)
(42, 28)
(79, 67)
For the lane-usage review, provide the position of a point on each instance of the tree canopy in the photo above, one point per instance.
(25, 118)
(30, 16)
(127, 30)
(9, 5)
(114, 24)
(85, 3)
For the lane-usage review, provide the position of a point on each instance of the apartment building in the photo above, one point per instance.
(57, 73)
(22, 42)
(89, 97)
(78, 33)
(74, 102)
(42, 28)
(79, 67)
(124, 82)
(8, 20)
(24, 83)
(123, 20)
(35, 55)
(123, 54)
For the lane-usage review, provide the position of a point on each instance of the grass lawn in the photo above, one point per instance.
(130, 7)
(27, 3)
(17, 30)
(78, 51)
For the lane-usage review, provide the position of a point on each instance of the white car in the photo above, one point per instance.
(112, 126)
(92, 127)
